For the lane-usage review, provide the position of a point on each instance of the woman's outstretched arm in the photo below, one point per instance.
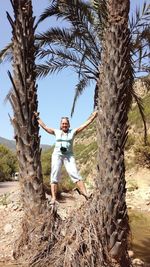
(41, 123)
(84, 125)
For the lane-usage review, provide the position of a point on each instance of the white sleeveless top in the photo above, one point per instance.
(64, 140)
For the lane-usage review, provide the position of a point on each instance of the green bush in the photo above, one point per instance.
(8, 163)
(46, 163)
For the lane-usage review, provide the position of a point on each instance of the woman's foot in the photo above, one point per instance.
(81, 193)
(53, 200)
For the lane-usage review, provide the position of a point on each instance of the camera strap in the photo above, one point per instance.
(66, 135)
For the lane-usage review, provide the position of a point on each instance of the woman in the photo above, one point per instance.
(63, 153)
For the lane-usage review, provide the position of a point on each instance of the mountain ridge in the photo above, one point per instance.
(11, 144)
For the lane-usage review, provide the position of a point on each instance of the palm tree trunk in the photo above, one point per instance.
(24, 102)
(115, 99)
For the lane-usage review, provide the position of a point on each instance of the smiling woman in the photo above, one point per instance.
(63, 153)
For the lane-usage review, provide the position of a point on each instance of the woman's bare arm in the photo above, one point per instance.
(84, 125)
(41, 123)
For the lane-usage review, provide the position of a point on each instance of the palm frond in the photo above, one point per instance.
(80, 16)
(100, 8)
(139, 103)
(80, 87)
(78, 12)
(140, 36)
(44, 69)
(8, 96)
(72, 40)
(67, 10)
(71, 58)
(140, 18)
(60, 59)
(56, 36)
(79, 46)
(6, 53)
(51, 10)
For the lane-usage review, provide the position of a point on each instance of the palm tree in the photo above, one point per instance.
(23, 98)
(115, 86)
(79, 44)
(98, 235)
(83, 35)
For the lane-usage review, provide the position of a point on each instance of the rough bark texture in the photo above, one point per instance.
(115, 99)
(38, 222)
(24, 103)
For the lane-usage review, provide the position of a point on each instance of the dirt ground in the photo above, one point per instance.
(138, 197)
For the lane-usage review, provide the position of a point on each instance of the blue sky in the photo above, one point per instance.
(55, 93)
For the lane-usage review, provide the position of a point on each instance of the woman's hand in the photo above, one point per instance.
(36, 114)
(95, 113)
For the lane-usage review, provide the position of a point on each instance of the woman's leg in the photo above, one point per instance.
(71, 168)
(54, 188)
(56, 165)
(82, 188)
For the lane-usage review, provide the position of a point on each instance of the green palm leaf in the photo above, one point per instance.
(80, 87)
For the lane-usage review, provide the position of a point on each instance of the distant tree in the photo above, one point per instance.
(45, 160)
(8, 163)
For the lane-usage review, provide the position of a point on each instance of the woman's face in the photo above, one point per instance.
(64, 125)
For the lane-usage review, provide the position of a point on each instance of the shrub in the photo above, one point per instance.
(46, 164)
(142, 156)
(8, 163)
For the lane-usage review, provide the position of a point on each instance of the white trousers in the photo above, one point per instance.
(70, 165)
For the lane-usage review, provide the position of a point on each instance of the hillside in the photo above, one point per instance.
(85, 144)
(11, 144)
(8, 143)
(136, 154)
